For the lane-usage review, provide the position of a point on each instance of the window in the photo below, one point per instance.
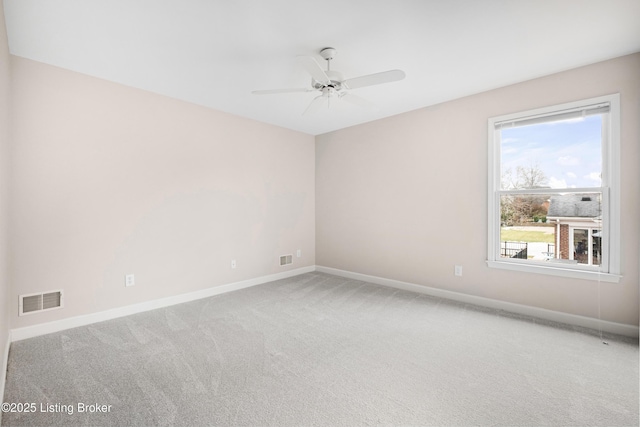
(587, 246)
(554, 190)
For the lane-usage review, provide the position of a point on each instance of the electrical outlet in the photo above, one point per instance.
(458, 270)
(129, 280)
(233, 263)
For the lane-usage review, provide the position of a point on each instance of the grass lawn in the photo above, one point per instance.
(526, 236)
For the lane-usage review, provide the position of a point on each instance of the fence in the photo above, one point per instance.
(513, 249)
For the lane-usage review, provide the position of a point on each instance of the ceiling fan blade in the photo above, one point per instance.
(314, 69)
(315, 105)
(357, 100)
(272, 91)
(375, 79)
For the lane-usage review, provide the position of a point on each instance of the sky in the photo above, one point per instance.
(569, 152)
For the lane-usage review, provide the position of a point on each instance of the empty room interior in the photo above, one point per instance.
(322, 214)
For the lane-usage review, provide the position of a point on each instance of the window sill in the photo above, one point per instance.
(556, 271)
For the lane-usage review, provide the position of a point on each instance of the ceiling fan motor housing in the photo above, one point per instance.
(335, 77)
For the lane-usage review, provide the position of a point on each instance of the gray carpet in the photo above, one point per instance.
(322, 350)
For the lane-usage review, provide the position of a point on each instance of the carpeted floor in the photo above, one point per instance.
(320, 350)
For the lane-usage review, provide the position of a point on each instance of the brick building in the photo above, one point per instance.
(578, 218)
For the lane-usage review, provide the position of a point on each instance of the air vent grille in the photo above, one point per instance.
(286, 259)
(34, 303)
(31, 303)
(51, 300)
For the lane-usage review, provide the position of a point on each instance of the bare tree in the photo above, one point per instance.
(521, 209)
(530, 177)
(526, 177)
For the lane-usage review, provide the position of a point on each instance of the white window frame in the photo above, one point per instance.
(610, 195)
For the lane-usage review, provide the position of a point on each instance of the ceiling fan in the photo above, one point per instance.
(332, 84)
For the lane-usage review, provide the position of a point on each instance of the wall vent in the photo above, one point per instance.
(34, 303)
(286, 259)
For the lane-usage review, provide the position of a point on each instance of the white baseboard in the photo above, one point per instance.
(555, 316)
(73, 322)
(5, 363)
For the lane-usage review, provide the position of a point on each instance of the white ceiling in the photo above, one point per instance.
(215, 52)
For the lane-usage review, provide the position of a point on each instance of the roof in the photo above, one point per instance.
(575, 206)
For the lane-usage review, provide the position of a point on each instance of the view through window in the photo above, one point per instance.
(551, 179)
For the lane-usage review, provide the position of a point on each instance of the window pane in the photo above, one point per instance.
(554, 154)
(563, 228)
(587, 246)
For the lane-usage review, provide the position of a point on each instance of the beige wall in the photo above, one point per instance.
(5, 83)
(108, 180)
(405, 198)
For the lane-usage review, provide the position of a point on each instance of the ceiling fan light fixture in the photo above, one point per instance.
(329, 92)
